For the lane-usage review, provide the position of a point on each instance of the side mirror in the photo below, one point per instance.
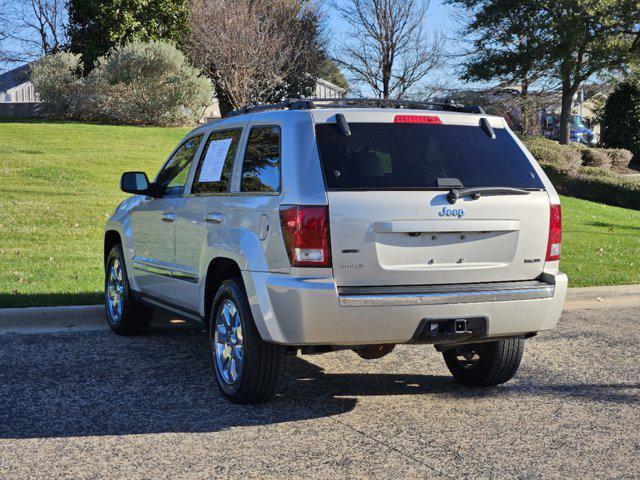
(135, 182)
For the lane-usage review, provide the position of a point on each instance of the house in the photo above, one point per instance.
(16, 87)
(325, 89)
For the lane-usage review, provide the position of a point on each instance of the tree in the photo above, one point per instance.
(259, 50)
(330, 72)
(97, 27)
(567, 40)
(621, 119)
(31, 29)
(591, 37)
(505, 42)
(4, 25)
(388, 50)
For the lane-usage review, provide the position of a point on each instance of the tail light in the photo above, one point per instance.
(306, 235)
(555, 233)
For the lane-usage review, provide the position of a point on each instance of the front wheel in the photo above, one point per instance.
(126, 314)
(485, 364)
(246, 367)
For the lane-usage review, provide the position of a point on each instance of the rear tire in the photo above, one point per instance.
(246, 367)
(485, 364)
(126, 315)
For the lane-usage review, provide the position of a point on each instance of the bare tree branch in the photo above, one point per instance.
(31, 29)
(388, 50)
(250, 48)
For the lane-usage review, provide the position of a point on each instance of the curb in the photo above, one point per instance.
(603, 293)
(16, 320)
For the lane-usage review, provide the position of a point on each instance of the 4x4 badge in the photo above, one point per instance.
(451, 212)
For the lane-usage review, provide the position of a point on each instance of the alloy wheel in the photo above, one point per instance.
(115, 291)
(227, 342)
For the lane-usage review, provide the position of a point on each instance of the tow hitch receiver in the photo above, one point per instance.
(450, 330)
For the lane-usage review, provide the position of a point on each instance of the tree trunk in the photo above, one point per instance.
(224, 104)
(565, 113)
(387, 69)
(525, 113)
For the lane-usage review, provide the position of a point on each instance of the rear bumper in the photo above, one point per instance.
(313, 311)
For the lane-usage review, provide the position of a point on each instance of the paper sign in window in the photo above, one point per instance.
(214, 160)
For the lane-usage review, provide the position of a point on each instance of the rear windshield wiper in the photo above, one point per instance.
(477, 192)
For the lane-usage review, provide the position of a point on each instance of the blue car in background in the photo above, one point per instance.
(580, 133)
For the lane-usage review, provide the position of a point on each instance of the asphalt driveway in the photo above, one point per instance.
(89, 404)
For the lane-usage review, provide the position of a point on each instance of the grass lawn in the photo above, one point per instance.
(60, 182)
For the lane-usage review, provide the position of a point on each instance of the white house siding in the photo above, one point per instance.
(326, 89)
(23, 93)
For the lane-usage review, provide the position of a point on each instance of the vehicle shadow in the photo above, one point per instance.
(97, 383)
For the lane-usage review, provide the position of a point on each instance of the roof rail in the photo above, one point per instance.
(288, 104)
(311, 103)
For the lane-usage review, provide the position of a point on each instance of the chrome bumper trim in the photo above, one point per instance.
(445, 294)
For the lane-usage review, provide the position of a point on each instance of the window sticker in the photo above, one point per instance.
(214, 160)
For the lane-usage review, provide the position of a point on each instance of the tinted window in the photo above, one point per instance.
(173, 176)
(221, 147)
(387, 156)
(261, 165)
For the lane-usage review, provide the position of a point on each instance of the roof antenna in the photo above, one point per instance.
(487, 128)
(343, 125)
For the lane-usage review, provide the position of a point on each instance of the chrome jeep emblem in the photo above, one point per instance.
(451, 212)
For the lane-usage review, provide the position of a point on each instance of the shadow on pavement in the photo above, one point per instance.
(92, 384)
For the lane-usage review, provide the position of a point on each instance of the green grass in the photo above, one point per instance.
(60, 183)
(601, 244)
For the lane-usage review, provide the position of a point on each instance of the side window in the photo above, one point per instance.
(261, 165)
(215, 165)
(173, 176)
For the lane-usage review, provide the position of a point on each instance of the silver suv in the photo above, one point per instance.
(322, 225)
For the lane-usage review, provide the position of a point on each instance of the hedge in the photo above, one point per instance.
(588, 173)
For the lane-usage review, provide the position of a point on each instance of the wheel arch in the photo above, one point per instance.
(111, 238)
(219, 270)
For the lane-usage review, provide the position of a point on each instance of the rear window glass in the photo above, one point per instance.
(261, 166)
(388, 156)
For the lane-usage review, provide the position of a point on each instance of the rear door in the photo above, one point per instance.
(201, 220)
(391, 222)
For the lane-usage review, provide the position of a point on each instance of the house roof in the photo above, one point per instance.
(14, 77)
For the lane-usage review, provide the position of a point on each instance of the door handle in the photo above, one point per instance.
(168, 217)
(213, 217)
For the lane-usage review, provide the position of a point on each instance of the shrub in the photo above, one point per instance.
(56, 79)
(138, 83)
(560, 162)
(595, 180)
(610, 189)
(596, 157)
(620, 157)
(597, 172)
(145, 83)
(621, 119)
